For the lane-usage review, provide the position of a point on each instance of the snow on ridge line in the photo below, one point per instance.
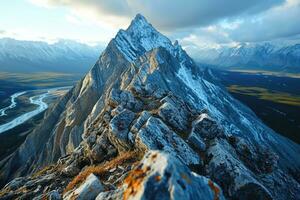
(195, 86)
(141, 37)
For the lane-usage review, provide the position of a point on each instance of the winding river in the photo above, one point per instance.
(36, 100)
(12, 104)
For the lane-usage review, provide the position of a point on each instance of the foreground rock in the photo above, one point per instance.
(87, 191)
(161, 176)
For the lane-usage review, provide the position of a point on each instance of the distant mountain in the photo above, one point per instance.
(263, 56)
(33, 56)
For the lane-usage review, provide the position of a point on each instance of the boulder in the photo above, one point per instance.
(124, 98)
(162, 176)
(72, 169)
(175, 113)
(196, 142)
(54, 195)
(155, 135)
(119, 128)
(111, 195)
(87, 191)
(141, 120)
(236, 180)
(206, 127)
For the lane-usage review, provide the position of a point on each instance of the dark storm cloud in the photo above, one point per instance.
(214, 21)
(172, 14)
(180, 14)
(277, 23)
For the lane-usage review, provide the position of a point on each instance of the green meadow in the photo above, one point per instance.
(268, 73)
(265, 94)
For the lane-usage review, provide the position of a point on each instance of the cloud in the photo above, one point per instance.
(174, 14)
(196, 24)
(279, 22)
(166, 14)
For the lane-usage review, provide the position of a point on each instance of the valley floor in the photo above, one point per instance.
(274, 98)
(18, 119)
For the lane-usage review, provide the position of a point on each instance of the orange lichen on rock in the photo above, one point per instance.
(215, 189)
(134, 182)
(158, 178)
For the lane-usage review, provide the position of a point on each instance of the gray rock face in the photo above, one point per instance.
(206, 127)
(161, 176)
(175, 113)
(54, 195)
(197, 142)
(124, 99)
(155, 135)
(226, 169)
(119, 128)
(145, 94)
(141, 120)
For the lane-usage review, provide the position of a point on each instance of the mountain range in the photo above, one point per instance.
(261, 56)
(71, 56)
(146, 122)
(35, 56)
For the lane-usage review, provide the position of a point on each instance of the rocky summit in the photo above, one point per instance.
(147, 123)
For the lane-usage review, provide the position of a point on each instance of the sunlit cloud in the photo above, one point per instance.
(167, 14)
(196, 24)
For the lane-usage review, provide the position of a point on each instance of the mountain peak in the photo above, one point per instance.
(140, 23)
(140, 37)
(140, 18)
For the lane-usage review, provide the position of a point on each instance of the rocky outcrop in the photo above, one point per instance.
(87, 191)
(226, 169)
(155, 135)
(147, 95)
(161, 176)
(48, 183)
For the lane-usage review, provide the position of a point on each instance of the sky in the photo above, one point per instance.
(196, 24)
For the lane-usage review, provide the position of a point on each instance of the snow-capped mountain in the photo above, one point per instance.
(263, 56)
(147, 123)
(33, 56)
